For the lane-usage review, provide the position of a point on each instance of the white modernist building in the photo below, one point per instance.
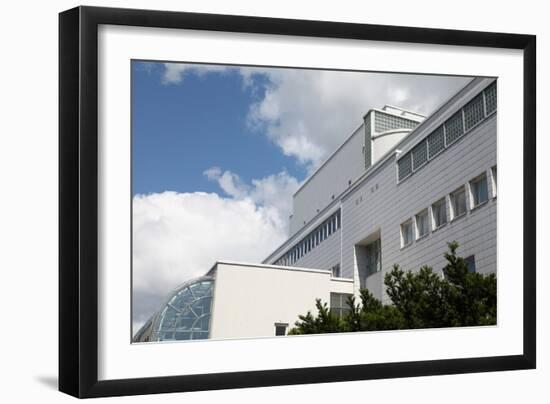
(396, 191)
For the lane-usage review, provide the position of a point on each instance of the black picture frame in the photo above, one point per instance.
(78, 200)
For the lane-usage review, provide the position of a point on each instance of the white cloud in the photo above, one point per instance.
(308, 113)
(273, 193)
(175, 72)
(179, 236)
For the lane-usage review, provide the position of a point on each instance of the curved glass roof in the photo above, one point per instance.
(184, 316)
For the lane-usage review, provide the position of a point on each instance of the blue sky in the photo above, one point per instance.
(179, 131)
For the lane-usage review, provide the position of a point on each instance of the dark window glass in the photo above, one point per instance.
(470, 263)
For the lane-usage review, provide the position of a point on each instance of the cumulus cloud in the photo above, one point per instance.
(308, 113)
(273, 193)
(179, 236)
(175, 72)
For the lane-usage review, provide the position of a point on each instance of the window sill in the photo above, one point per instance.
(406, 246)
(458, 217)
(423, 236)
(439, 227)
(479, 205)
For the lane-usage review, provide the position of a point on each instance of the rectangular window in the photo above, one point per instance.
(439, 213)
(336, 271)
(473, 112)
(420, 154)
(491, 98)
(404, 166)
(422, 224)
(470, 263)
(280, 329)
(458, 202)
(406, 233)
(339, 304)
(436, 142)
(453, 128)
(478, 187)
(374, 257)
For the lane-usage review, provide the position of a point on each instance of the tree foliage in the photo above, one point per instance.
(421, 299)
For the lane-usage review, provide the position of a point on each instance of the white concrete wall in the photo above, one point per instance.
(332, 178)
(250, 299)
(382, 144)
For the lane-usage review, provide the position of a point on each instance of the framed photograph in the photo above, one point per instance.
(250, 201)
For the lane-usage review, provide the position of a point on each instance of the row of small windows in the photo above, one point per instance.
(312, 240)
(384, 122)
(449, 207)
(479, 108)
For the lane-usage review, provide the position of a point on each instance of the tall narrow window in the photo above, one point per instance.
(470, 263)
(454, 128)
(373, 258)
(474, 112)
(404, 166)
(422, 224)
(436, 142)
(420, 154)
(406, 233)
(478, 188)
(458, 202)
(439, 213)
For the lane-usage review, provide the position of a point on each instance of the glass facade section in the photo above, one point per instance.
(474, 112)
(185, 315)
